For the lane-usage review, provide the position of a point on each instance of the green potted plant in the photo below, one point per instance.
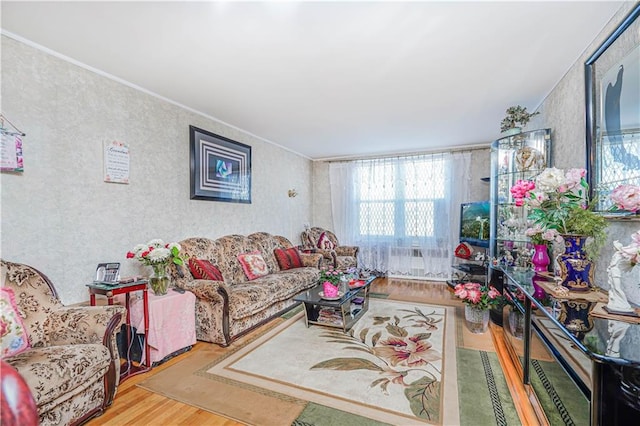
(516, 115)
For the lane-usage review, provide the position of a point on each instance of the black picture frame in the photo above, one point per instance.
(611, 159)
(220, 168)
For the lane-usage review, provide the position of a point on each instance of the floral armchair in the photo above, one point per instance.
(67, 355)
(326, 243)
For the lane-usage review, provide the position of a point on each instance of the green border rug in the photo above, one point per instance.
(482, 390)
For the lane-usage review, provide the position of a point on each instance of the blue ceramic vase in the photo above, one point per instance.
(577, 272)
(574, 315)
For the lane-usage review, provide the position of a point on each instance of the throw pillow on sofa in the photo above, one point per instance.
(202, 269)
(14, 335)
(253, 265)
(325, 242)
(288, 258)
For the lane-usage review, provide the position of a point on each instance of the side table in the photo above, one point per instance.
(127, 369)
(172, 322)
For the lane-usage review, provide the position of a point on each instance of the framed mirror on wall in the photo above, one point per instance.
(612, 78)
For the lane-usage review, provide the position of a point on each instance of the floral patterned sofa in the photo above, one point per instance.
(67, 355)
(229, 308)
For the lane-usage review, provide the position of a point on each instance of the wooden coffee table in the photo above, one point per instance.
(342, 313)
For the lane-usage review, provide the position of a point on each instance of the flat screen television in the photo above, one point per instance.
(475, 223)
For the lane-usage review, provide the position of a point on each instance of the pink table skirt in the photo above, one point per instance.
(172, 321)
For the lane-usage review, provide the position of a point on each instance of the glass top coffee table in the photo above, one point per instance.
(341, 313)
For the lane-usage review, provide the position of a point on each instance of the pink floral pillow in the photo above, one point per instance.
(324, 242)
(253, 265)
(12, 332)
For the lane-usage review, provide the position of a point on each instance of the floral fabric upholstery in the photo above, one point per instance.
(341, 257)
(73, 365)
(225, 310)
(12, 332)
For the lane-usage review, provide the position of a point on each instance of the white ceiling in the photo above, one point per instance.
(329, 79)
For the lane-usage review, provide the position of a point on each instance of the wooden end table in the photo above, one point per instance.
(127, 369)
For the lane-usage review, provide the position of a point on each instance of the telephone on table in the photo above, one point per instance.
(108, 272)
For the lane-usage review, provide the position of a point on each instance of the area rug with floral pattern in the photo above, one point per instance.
(396, 366)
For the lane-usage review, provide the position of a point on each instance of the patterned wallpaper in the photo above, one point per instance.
(62, 218)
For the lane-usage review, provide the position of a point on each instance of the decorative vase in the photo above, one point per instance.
(477, 319)
(516, 323)
(577, 272)
(159, 281)
(538, 291)
(574, 315)
(540, 258)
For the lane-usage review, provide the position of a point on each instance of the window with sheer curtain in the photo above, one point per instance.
(402, 212)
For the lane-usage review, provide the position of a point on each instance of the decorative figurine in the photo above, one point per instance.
(618, 303)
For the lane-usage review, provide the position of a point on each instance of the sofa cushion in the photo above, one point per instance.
(54, 371)
(324, 242)
(13, 334)
(253, 265)
(288, 258)
(202, 269)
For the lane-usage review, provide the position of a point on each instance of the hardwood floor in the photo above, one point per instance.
(134, 405)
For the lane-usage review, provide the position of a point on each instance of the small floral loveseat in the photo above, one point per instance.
(67, 355)
(228, 308)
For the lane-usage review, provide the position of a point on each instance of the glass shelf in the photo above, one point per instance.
(521, 156)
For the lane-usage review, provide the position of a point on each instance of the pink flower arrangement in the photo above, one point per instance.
(521, 190)
(626, 197)
(540, 236)
(330, 275)
(553, 198)
(477, 295)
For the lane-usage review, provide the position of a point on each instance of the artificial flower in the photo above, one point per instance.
(626, 197)
(477, 295)
(333, 276)
(550, 179)
(540, 235)
(559, 201)
(156, 252)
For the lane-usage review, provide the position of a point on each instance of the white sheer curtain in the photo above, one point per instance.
(402, 212)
